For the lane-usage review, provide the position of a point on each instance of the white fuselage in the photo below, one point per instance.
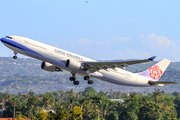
(55, 56)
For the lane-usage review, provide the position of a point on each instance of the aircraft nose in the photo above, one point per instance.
(3, 39)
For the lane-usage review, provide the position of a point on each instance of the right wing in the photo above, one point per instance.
(113, 64)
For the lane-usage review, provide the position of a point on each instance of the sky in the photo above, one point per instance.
(97, 29)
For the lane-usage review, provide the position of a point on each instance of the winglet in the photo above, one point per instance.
(152, 58)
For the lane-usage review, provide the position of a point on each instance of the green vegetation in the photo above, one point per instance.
(90, 105)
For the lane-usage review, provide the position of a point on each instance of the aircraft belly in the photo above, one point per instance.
(121, 78)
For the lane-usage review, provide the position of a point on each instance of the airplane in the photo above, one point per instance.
(55, 59)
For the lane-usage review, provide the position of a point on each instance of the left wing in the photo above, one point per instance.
(113, 64)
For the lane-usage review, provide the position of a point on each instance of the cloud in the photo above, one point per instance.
(141, 36)
(110, 43)
(129, 53)
(84, 41)
(161, 46)
(120, 39)
(103, 43)
(140, 47)
(157, 41)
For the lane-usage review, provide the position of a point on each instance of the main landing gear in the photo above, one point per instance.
(73, 78)
(88, 78)
(15, 55)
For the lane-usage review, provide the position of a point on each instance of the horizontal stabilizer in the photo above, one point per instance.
(161, 82)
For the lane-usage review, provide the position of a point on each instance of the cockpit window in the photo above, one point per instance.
(8, 37)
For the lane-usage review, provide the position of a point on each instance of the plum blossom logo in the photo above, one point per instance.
(155, 72)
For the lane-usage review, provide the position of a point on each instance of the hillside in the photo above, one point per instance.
(22, 75)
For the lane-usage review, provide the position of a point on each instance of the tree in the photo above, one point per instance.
(130, 108)
(42, 116)
(55, 104)
(124, 95)
(104, 107)
(177, 102)
(71, 101)
(31, 105)
(156, 94)
(2, 108)
(167, 116)
(130, 116)
(9, 109)
(101, 93)
(72, 93)
(112, 116)
(76, 113)
(111, 93)
(24, 108)
(89, 91)
(167, 106)
(87, 108)
(62, 114)
(14, 102)
(175, 93)
(47, 100)
(19, 116)
(7, 96)
(143, 100)
(149, 111)
(31, 94)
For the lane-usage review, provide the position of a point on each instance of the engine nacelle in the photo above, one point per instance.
(49, 67)
(74, 65)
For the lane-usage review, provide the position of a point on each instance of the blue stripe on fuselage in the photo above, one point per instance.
(17, 45)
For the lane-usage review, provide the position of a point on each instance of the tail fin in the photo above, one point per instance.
(156, 71)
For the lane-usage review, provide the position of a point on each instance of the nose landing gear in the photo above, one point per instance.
(15, 55)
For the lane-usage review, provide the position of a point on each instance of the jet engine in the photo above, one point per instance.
(74, 65)
(49, 67)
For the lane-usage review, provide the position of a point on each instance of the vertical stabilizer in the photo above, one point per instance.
(156, 71)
